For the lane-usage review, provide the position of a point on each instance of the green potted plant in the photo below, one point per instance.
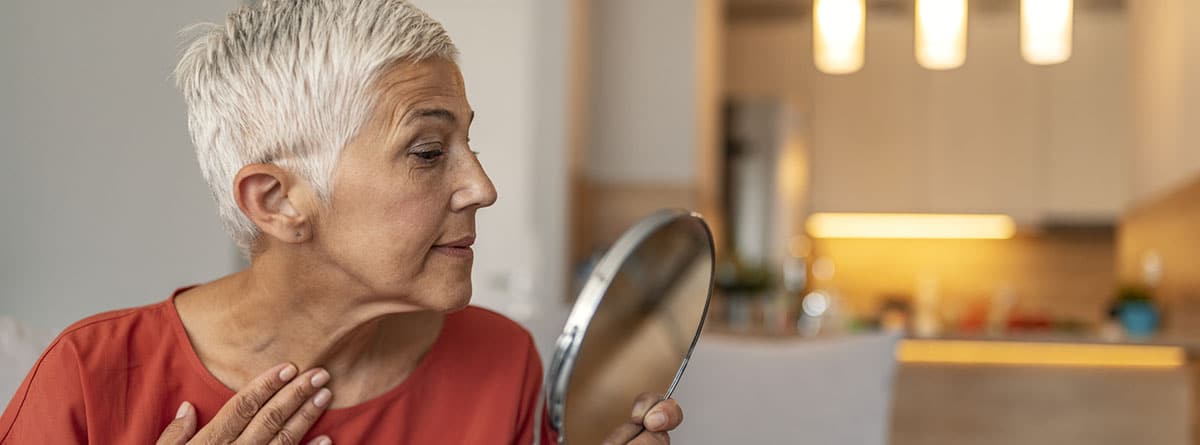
(742, 284)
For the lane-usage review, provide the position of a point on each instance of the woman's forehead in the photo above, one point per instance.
(430, 88)
(429, 77)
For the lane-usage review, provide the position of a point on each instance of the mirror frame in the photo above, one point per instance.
(566, 348)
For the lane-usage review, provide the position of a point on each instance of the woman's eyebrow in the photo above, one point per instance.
(441, 114)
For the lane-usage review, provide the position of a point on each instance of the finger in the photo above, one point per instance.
(624, 433)
(322, 440)
(651, 438)
(229, 422)
(629, 430)
(268, 424)
(303, 420)
(643, 403)
(664, 416)
(181, 428)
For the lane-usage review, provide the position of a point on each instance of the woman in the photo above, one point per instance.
(334, 136)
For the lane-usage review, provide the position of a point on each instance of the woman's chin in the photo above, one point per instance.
(459, 306)
(424, 298)
(451, 300)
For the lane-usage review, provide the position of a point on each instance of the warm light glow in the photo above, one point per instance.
(941, 40)
(1038, 354)
(1046, 31)
(839, 33)
(901, 225)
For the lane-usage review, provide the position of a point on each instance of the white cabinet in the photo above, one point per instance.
(1088, 163)
(1043, 144)
(981, 140)
(866, 143)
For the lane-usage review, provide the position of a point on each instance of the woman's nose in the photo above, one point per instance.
(475, 190)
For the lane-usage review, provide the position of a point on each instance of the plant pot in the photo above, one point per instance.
(1139, 318)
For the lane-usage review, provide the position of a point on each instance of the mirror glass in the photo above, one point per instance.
(634, 325)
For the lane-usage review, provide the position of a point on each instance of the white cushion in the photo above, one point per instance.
(797, 391)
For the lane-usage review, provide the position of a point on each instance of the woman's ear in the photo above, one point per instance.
(272, 198)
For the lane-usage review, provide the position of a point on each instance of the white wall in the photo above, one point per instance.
(103, 203)
(644, 88)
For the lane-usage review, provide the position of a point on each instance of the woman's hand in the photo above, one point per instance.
(651, 420)
(269, 410)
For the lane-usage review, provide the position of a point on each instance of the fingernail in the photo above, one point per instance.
(323, 440)
(287, 373)
(320, 379)
(656, 420)
(322, 397)
(183, 410)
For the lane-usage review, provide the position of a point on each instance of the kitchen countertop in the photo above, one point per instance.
(1031, 348)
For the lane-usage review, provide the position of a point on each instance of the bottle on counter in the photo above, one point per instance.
(1002, 305)
(927, 320)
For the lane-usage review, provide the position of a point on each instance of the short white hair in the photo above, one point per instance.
(290, 82)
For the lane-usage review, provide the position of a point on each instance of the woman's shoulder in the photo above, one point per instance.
(114, 338)
(92, 359)
(116, 325)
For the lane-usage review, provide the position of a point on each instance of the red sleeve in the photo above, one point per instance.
(533, 405)
(48, 407)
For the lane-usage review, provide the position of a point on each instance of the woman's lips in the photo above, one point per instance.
(464, 252)
(459, 248)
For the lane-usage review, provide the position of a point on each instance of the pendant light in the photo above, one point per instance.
(941, 37)
(1046, 27)
(839, 33)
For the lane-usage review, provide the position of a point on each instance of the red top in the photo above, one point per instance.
(118, 378)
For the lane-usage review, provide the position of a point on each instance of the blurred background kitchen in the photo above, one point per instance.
(938, 221)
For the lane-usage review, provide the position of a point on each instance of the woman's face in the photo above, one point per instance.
(405, 191)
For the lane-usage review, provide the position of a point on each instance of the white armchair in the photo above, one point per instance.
(803, 391)
(19, 349)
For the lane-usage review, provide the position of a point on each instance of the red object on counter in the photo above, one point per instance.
(1029, 322)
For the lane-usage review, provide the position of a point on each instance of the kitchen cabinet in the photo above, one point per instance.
(1087, 159)
(981, 141)
(1165, 96)
(998, 135)
(867, 146)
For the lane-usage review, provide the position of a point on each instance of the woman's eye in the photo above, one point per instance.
(428, 154)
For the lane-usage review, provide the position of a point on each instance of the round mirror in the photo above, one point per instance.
(633, 326)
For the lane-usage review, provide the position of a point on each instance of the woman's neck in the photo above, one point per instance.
(264, 315)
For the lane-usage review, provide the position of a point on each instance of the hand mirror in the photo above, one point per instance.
(633, 327)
